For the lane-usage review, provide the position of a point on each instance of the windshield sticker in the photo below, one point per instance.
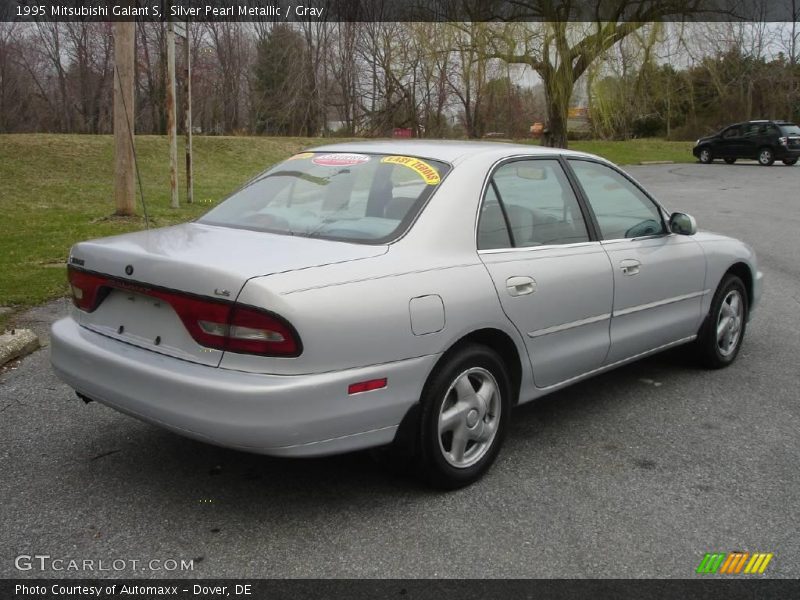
(420, 167)
(340, 160)
(301, 156)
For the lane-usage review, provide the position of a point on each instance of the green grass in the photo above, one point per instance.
(56, 190)
(634, 152)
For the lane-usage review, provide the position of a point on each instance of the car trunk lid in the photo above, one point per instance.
(140, 274)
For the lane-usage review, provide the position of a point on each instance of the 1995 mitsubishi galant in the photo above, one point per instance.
(366, 294)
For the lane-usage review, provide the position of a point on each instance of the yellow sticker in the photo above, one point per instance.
(301, 156)
(420, 167)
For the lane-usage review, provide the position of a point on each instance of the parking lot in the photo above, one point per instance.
(636, 473)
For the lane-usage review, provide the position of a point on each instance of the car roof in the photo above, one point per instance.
(773, 121)
(445, 150)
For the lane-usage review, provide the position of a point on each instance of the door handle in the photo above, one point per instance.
(520, 286)
(630, 266)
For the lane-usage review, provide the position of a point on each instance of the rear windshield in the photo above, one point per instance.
(365, 198)
(790, 129)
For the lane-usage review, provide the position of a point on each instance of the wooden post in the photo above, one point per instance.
(187, 114)
(124, 114)
(172, 131)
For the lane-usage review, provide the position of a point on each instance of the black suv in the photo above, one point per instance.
(764, 141)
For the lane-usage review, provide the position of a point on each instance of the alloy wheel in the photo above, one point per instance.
(729, 322)
(469, 417)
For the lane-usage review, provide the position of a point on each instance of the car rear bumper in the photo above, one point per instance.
(298, 415)
(785, 153)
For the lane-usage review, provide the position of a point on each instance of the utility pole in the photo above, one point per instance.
(172, 131)
(124, 115)
(187, 108)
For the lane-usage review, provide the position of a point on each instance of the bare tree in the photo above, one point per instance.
(232, 49)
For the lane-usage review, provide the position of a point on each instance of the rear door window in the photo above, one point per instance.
(537, 201)
(754, 129)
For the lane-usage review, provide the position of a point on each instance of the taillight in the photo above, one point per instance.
(86, 288)
(199, 316)
(211, 323)
(242, 329)
(253, 331)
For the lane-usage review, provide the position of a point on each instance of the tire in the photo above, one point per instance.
(730, 161)
(789, 161)
(705, 156)
(720, 338)
(461, 426)
(766, 157)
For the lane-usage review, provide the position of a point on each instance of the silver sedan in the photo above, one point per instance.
(404, 295)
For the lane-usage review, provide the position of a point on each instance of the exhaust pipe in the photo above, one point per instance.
(86, 399)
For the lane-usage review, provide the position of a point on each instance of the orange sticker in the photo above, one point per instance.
(420, 167)
(301, 156)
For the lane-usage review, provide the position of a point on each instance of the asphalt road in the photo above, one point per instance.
(636, 473)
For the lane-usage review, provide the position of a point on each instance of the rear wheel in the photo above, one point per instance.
(705, 156)
(766, 157)
(789, 161)
(465, 409)
(730, 161)
(723, 331)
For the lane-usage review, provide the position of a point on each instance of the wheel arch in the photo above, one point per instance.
(705, 146)
(501, 343)
(742, 271)
(406, 439)
(763, 147)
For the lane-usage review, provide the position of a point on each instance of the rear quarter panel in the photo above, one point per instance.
(358, 314)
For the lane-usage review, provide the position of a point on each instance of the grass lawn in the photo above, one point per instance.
(56, 190)
(634, 152)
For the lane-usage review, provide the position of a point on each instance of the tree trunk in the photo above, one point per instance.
(557, 96)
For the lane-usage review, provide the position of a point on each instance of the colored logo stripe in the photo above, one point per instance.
(710, 563)
(733, 563)
(758, 564)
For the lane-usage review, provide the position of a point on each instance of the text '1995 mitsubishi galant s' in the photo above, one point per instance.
(396, 294)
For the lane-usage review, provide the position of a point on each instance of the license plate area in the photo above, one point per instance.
(150, 323)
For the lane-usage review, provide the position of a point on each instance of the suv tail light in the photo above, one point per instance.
(211, 323)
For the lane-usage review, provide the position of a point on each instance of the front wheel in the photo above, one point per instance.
(789, 161)
(730, 161)
(465, 409)
(766, 157)
(705, 156)
(723, 331)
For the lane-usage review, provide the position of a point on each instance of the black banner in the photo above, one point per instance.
(416, 589)
(400, 10)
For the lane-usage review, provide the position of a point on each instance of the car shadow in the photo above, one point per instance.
(159, 463)
(740, 163)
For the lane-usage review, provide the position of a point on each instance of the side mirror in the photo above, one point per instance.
(682, 224)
